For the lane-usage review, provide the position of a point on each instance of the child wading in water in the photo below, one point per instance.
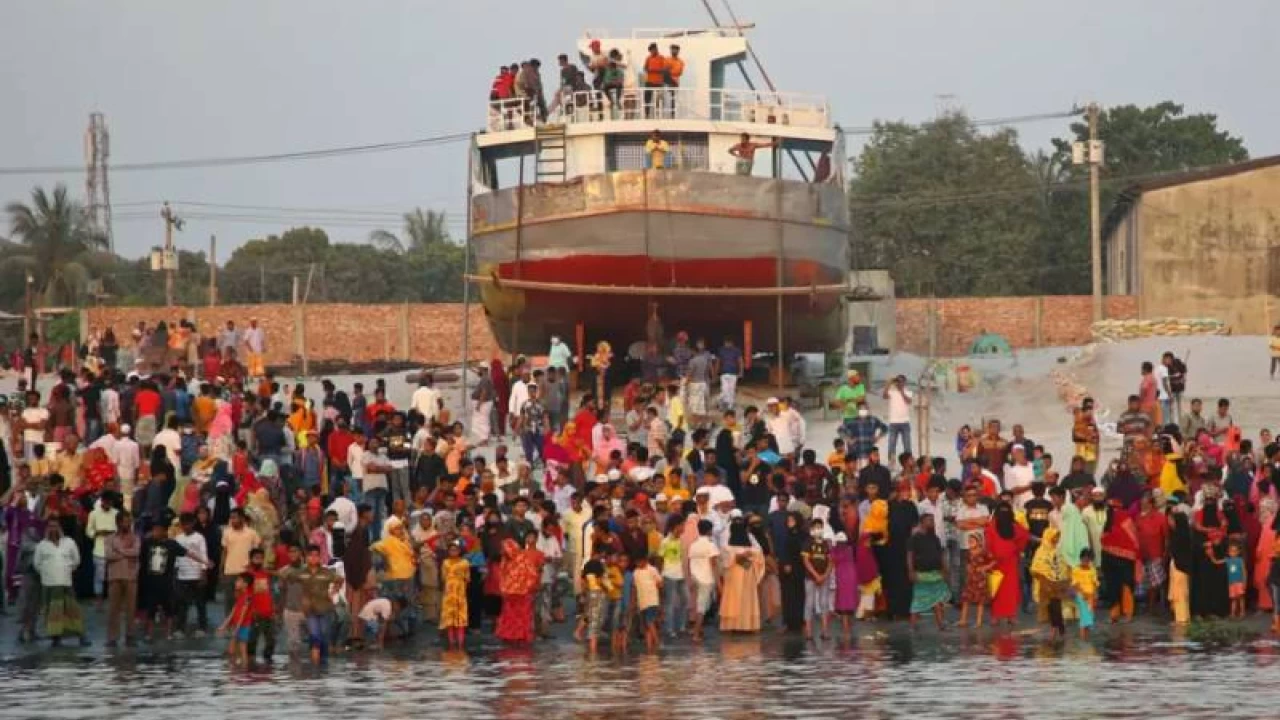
(456, 573)
(596, 581)
(977, 590)
(240, 621)
(1084, 581)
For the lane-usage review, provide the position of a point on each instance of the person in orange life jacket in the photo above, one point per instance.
(675, 69)
(655, 75)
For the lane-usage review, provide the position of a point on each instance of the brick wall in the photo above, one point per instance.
(430, 334)
(1027, 322)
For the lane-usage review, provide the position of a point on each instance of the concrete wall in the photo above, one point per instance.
(948, 326)
(1205, 249)
(427, 333)
(880, 314)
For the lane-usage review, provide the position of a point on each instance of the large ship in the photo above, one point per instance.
(576, 233)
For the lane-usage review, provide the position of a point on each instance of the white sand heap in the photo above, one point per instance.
(1113, 330)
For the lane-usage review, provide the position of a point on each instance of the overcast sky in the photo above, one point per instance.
(208, 78)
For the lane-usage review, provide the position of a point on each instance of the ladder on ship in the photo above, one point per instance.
(552, 150)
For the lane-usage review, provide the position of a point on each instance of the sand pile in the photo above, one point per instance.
(1114, 330)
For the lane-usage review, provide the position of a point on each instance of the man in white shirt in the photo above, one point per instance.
(127, 457)
(355, 463)
(346, 510)
(1163, 394)
(426, 399)
(34, 420)
(1019, 476)
(519, 396)
(703, 571)
(171, 441)
(899, 416)
(781, 426)
(255, 344)
(559, 355)
(190, 569)
(109, 405)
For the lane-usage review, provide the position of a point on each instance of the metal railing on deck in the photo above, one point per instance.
(719, 105)
(660, 33)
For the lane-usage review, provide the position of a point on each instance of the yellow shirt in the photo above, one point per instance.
(68, 466)
(675, 413)
(613, 582)
(1275, 346)
(399, 555)
(657, 150)
(1085, 581)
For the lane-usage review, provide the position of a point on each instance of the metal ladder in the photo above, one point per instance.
(552, 151)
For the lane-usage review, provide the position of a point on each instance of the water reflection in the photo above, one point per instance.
(881, 672)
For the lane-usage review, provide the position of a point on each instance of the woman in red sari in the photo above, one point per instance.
(501, 393)
(1005, 541)
(521, 576)
(1121, 568)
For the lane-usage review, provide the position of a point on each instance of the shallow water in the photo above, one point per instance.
(1123, 672)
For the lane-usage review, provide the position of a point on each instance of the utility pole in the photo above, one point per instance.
(1095, 211)
(28, 316)
(262, 283)
(213, 270)
(169, 258)
(1090, 153)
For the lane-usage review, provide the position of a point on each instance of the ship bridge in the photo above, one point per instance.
(573, 196)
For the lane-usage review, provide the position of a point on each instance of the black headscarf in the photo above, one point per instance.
(1210, 517)
(1181, 547)
(1234, 525)
(342, 404)
(222, 504)
(738, 535)
(757, 530)
(1004, 520)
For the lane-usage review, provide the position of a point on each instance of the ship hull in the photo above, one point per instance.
(731, 235)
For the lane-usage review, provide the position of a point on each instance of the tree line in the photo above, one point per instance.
(948, 209)
(952, 211)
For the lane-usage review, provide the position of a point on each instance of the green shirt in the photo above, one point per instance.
(672, 555)
(851, 396)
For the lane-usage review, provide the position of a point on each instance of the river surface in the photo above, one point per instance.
(1132, 671)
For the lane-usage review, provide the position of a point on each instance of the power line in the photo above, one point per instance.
(236, 160)
(434, 140)
(982, 122)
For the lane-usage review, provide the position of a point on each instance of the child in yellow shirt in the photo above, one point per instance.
(1084, 580)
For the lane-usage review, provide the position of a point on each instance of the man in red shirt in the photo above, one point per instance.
(261, 607)
(339, 442)
(1153, 544)
(379, 406)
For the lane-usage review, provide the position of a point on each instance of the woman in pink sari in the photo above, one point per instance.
(608, 442)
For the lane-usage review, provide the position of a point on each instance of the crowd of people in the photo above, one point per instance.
(337, 519)
(615, 89)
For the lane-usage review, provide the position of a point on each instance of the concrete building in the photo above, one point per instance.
(1203, 243)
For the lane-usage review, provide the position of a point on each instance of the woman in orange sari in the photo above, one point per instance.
(521, 576)
(1267, 539)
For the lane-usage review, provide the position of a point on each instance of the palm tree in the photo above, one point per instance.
(54, 242)
(424, 230)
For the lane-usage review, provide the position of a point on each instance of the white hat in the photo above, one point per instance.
(614, 475)
(660, 497)
(771, 401)
(704, 490)
(841, 537)
(735, 513)
(640, 473)
(720, 494)
(1097, 491)
(602, 479)
(125, 429)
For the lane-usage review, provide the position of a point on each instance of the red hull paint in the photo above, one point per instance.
(522, 321)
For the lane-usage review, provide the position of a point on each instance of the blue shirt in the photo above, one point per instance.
(862, 433)
(628, 590)
(730, 360)
(1235, 570)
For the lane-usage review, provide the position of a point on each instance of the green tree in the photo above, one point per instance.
(423, 231)
(946, 209)
(54, 243)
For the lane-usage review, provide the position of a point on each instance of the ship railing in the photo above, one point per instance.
(661, 33)
(757, 107)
